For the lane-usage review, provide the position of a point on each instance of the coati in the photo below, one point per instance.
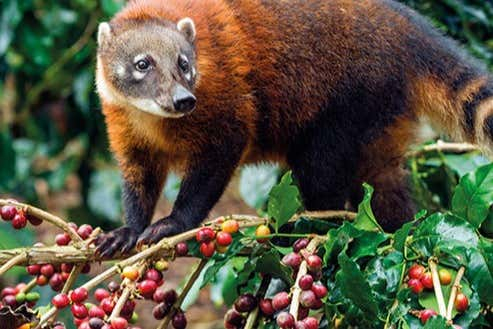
(334, 89)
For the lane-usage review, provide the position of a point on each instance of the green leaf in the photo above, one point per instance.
(365, 219)
(338, 240)
(401, 235)
(463, 164)
(439, 227)
(220, 261)
(355, 287)
(384, 276)
(366, 244)
(284, 201)
(270, 263)
(474, 195)
(256, 182)
(436, 322)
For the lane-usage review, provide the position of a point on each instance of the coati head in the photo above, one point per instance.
(148, 66)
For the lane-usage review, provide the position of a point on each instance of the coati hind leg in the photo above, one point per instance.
(382, 166)
(322, 160)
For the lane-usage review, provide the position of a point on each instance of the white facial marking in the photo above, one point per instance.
(151, 106)
(138, 75)
(120, 70)
(139, 57)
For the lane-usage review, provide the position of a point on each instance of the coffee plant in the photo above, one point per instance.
(286, 268)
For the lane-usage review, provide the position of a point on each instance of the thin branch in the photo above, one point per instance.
(253, 315)
(252, 318)
(445, 147)
(437, 286)
(45, 216)
(129, 287)
(184, 292)
(453, 293)
(295, 299)
(74, 254)
(16, 260)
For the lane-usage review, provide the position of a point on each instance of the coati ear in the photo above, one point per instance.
(104, 33)
(187, 27)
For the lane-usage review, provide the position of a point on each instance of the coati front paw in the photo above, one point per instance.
(121, 240)
(160, 229)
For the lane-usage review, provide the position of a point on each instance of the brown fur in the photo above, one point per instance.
(328, 87)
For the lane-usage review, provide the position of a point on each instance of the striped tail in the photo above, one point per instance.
(461, 108)
(477, 109)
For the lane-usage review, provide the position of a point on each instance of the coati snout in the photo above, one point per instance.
(149, 67)
(183, 100)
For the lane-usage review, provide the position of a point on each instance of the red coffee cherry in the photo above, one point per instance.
(8, 212)
(281, 300)
(224, 239)
(416, 271)
(60, 301)
(426, 314)
(415, 285)
(79, 295)
(205, 234)
(179, 320)
(181, 249)
(285, 320)
(461, 302)
(79, 311)
(305, 282)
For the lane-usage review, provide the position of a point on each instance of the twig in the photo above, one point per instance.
(129, 287)
(253, 315)
(453, 293)
(437, 287)
(58, 254)
(445, 147)
(12, 262)
(295, 299)
(31, 284)
(183, 294)
(73, 254)
(251, 319)
(45, 216)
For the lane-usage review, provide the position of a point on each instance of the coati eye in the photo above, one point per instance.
(183, 64)
(143, 65)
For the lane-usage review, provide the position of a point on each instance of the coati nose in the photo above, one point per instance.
(183, 100)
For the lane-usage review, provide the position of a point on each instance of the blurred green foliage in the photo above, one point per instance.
(51, 126)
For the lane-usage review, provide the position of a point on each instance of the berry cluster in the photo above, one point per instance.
(57, 275)
(310, 298)
(420, 279)
(18, 217)
(17, 296)
(210, 241)
(90, 316)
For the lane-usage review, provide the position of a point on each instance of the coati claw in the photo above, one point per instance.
(121, 240)
(162, 228)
